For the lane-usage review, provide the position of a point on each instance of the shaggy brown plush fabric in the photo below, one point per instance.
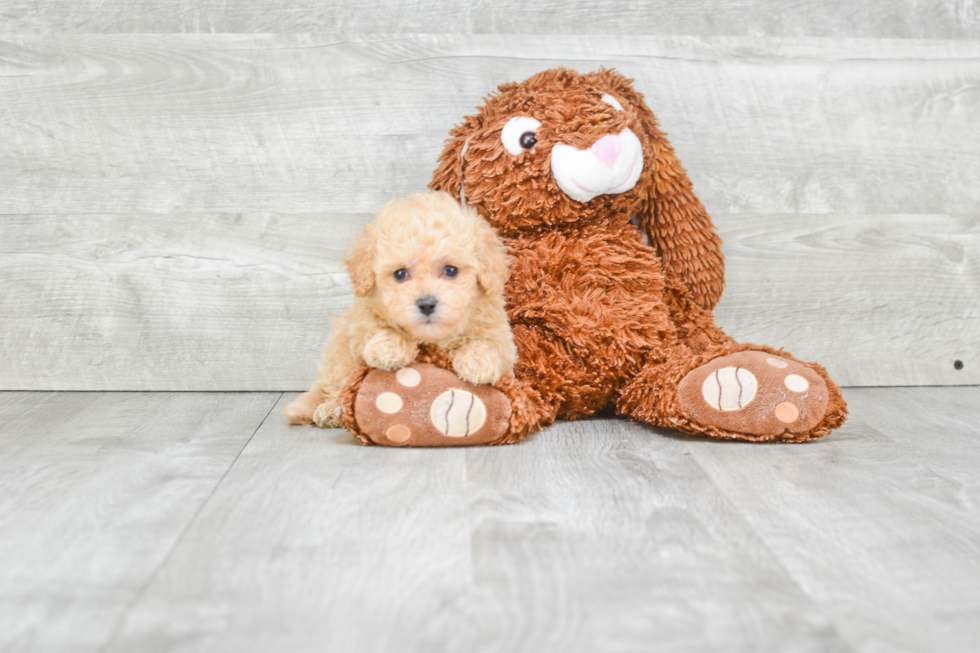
(602, 320)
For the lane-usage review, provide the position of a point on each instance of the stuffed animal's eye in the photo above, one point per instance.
(519, 134)
(613, 102)
(450, 271)
(401, 275)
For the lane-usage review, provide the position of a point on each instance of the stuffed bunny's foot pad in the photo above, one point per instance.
(423, 405)
(756, 393)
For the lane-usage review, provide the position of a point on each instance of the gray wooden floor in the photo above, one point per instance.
(201, 522)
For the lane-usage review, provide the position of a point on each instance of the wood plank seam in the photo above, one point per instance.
(117, 627)
(738, 510)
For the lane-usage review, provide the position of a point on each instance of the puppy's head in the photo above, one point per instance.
(425, 264)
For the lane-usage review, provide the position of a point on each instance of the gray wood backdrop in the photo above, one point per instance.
(179, 180)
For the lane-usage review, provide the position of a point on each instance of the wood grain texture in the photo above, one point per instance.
(175, 206)
(880, 300)
(948, 418)
(95, 490)
(243, 301)
(168, 302)
(895, 19)
(116, 533)
(874, 522)
(299, 124)
(595, 535)
(313, 542)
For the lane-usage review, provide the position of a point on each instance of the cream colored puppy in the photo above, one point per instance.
(425, 271)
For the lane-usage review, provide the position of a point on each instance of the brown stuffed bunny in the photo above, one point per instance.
(616, 268)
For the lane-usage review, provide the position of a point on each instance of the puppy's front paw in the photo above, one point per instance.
(479, 363)
(389, 351)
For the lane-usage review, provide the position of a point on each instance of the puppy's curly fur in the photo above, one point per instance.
(425, 271)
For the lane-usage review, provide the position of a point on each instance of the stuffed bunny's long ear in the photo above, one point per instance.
(673, 218)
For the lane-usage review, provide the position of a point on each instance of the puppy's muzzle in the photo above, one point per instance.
(427, 305)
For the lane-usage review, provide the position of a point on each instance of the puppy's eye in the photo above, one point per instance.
(450, 271)
(519, 134)
(401, 275)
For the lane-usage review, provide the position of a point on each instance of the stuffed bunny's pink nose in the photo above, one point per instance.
(607, 149)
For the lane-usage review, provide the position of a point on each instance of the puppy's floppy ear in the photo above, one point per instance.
(492, 260)
(360, 261)
(673, 217)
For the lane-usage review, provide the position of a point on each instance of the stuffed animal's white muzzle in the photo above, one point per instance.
(611, 166)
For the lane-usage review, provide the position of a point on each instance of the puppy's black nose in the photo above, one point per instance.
(427, 305)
